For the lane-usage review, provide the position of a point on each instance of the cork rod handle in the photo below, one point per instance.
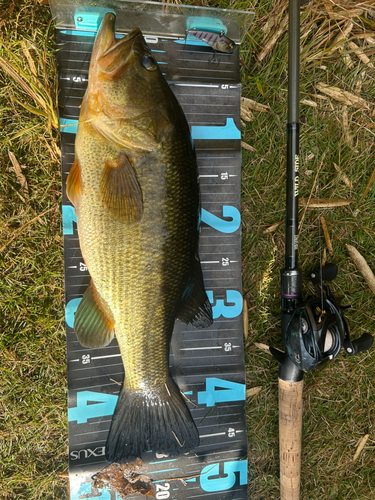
(290, 432)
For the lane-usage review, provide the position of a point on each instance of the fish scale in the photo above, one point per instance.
(135, 247)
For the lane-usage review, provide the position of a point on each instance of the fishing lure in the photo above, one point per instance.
(218, 41)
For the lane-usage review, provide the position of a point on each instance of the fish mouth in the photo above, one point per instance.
(134, 33)
(107, 30)
(126, 39)
(114, 56)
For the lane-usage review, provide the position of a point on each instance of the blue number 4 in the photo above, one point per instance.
(229, 391)
(105, 405)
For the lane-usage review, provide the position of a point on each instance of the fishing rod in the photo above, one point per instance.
(313, 330)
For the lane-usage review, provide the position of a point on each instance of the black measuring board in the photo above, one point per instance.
(208, 364)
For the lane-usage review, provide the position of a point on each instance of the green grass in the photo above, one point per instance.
(339, 401)
(33, 426)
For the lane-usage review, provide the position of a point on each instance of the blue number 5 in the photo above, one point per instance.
(226, 482)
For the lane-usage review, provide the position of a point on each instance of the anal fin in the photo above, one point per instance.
(195, 306)
(120, 190)
(93, 320)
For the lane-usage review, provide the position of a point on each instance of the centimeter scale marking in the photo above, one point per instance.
(200, 359)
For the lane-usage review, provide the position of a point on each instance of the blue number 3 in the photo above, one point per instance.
(233, 297)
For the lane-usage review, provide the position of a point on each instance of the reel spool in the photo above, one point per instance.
(314, 336)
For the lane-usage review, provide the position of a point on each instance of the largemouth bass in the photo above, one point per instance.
(135, 190)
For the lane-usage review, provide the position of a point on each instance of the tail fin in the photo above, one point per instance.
(156, 420)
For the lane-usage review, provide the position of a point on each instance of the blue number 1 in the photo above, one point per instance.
(69, 216)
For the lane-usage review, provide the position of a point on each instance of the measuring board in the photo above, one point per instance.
(208, 364)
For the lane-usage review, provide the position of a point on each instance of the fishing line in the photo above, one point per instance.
(329, 339)
(318, 196)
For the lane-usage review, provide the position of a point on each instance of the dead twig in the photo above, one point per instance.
(345, 126)
(246, 114)
(21, 178)
(343, 96)
(253, 391)
(263, 347)
(345, 179)
(247, 146)
(323, 202)
(270, 44)
(326, 235)
(369, 185)
(185, 478)
(256, 106)
(360, 446)
(362, 266)
(342, 36)
(272, 228)
(360, 54)
(245, 316)
(178, 441)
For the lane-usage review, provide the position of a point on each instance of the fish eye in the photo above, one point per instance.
(149, 63)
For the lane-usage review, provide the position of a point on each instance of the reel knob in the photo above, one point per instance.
(362, 344)
(326, 273)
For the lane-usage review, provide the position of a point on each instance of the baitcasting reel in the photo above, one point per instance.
(317, 330)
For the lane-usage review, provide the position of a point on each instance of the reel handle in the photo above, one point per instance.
(362, 344)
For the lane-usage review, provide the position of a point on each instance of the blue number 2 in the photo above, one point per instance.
(224, 226)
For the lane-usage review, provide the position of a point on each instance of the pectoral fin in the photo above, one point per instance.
(195, 307)
(93, 320)
(120, 190)
(74, 184)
